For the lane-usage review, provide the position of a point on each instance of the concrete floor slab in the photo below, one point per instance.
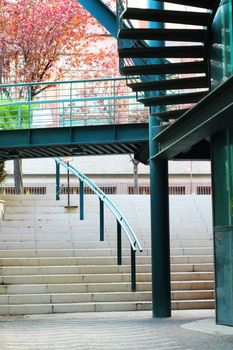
(186, 330)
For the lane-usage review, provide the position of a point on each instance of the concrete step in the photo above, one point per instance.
(60, 298)
(108, 268)
(29, 253)
(192, 251)
(193, 295)
(205, 267)
(192, 276)
(67, 261)
(73, 278)
(193, 304)
(192, 259)
(182, 270)
(68, 270)
(72, 288)
(192, 285)
(89, 236)
(100, 277)
(26, 309)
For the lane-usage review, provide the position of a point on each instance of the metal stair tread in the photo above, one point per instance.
(190, 35)
(174, 114)
(206, 4)
(196, 51)
(173, 99)
(168, 68)
(180, 83)
(167, 16)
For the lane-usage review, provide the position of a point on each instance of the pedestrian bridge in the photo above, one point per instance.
(63, 118)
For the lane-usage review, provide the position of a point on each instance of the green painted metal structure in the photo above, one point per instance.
(193, 84)
(84, 117)
(102, 13)
(122, 223)
(188, 88)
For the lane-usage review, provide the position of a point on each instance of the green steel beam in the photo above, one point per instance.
(104, 15)
(76, 135)
(212, 114)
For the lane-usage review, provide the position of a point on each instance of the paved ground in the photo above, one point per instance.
(123, 330)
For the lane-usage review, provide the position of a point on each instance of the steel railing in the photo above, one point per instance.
(122, 223)
(69, 103)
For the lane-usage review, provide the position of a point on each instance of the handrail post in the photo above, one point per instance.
(29, 105)
(57, 181)
(133, 270)
(114, 101)
(101, 220)
(68, 185)
(19, 117)
(81, 200)
(70, 104)
(119, 244)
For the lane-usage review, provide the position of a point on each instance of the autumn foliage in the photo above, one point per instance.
(42, 39)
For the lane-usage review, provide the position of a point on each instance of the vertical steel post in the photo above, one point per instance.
(81, 200)
(29, 105)
(160, 245)
(133, 270)
(57, 181)
(19, 117)
(68, 185)
(101, 220)
(119, 244)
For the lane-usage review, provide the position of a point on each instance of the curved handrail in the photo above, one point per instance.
(135, 245)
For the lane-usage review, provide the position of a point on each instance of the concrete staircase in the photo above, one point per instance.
(51, 262)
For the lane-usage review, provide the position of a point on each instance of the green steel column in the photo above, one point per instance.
(160, 245)
(57, 181)
(81, 200)
(222, 182)
(161, 290)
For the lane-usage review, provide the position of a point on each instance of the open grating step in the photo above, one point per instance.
(172, 84)
(167, 16)
(168, 68)
(205, 4)
(190, 35)
(190, 97)
(196, 51)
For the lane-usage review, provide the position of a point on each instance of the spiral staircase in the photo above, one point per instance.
(168, 66)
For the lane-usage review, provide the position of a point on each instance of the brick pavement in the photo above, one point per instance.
(113, 331)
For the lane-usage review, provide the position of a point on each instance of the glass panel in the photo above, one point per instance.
(221, 47)
(220, 170)
(224, 277)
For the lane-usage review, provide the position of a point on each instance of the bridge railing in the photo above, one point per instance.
(69, 103)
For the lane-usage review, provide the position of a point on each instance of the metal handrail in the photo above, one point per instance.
(104, 199)
(69, 103)
(135, 245)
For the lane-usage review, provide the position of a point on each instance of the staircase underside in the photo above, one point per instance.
(170, 72)
(212, 114)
